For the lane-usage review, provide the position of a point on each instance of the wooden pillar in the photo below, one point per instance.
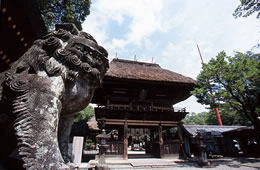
(125, 155)
(161, 141)
(103, 123)
(145, 143)
(121, 134)
(168, 133)
(152, 135)
(152, 149)
(181, 140)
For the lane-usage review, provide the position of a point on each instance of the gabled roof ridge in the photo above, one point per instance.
(135, 62)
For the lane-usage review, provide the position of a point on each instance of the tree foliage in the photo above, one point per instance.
(64, 11)
(85, 114)
(235, 81)
(229, 117)
(247, 7)
(89, 145)
(196, 119)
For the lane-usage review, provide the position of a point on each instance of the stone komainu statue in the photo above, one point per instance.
(41, 92)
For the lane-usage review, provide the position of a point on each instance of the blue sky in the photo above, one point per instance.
(166, 32)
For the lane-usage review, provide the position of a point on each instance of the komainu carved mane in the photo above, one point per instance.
(41, 92)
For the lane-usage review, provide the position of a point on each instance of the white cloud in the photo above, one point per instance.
(116, 43)
(182, 57)
(147, 17)
(168, 30)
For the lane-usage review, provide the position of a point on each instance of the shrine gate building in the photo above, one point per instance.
(136, 99)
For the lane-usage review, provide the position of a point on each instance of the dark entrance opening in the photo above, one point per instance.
(138, 139)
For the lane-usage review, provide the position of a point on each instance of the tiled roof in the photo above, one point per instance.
(194, 129)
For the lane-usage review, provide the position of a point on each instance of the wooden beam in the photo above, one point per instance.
(140, 122)
(114, 123)
(152, 124)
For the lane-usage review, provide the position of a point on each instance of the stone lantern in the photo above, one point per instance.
(101, 139)
(200, 147)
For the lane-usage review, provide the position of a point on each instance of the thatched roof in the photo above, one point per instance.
(144, 71)
(92, 123)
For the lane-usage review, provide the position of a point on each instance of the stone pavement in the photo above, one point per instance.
(167, 164)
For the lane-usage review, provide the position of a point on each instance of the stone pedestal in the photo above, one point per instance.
(101, 161)
(101, 138)
(201, 152)
(202, 155)
(102, 151)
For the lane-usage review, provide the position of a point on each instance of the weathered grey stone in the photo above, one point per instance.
(54, 79)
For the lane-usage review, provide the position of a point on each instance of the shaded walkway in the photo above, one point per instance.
(167, 164)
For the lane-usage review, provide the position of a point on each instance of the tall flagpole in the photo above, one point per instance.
(213, 99)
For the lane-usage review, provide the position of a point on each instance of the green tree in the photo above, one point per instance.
(229, 116)
(84, 115)
(247, 7)
(196, 119)
(234, 81)
(89, 145)
(64, 11)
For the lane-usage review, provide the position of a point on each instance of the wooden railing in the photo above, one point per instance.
(144, 107)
